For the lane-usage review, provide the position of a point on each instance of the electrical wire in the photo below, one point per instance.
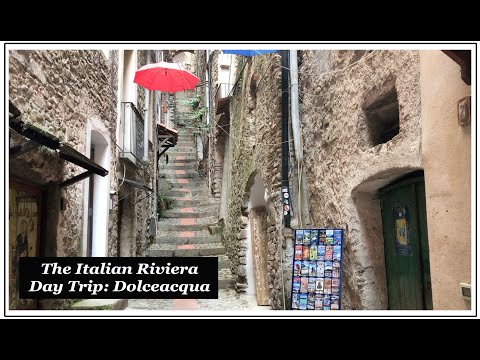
(123, 180)
(247, 138)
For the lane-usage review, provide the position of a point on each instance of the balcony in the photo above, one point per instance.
(132, 141)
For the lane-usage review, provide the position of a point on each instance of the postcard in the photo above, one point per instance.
(336, 286)
(318, 301)
(321, 252)
(319, 285)
(328, 269)
(298, 237)
(337, 253)
(335, 302)
(305, 266)
(337, 237)
(306, 253)
(326, 300)
(312, 268)
(297, 268)
(311, 301)
(296, 284)
(328, 253)
(327, 286)
(295, 300)
(313, 251)
(314, 237)
(298, 252)
(311, 284)
(302, 302)
(320, 269)
(304, 285)
(306, 237)
(321, 237)
(336, 270)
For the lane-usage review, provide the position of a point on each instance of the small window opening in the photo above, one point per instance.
(383, 118)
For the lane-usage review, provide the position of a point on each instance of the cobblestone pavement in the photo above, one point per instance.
(228, 299)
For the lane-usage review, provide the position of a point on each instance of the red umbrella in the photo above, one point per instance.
(167, 77)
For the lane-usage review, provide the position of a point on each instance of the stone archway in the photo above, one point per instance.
(371, 251)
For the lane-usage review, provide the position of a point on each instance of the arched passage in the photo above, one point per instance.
(378, 253)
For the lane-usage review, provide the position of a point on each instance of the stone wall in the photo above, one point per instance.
(60, 91)
(343, 169)
(255, 146)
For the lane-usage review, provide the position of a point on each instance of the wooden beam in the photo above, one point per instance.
(76, 178)
(462, 58)
(70, 154)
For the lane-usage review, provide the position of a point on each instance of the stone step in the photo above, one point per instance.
(181, 159)
(185, 192)
(103, 304)
(186, 224)
(170, 234)
(194, 183)
(194, 239)
(192, 202)
(172, 175)
(183, 151)
(225, 279)
(181, 165)
(190, 212)
(166, 250)
(185, 143)
(168, 170)
(187, 167)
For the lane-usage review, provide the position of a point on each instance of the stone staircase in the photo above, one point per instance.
(184, 230)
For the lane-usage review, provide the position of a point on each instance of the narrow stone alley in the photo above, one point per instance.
(184, 230)
(326, 180)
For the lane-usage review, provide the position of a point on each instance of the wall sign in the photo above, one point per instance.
(401, 217)
(317, 269)
(286, 206)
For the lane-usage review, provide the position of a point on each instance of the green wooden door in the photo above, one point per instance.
(406, 245)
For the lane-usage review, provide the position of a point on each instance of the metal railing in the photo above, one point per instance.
(223, 90)
(132, 140)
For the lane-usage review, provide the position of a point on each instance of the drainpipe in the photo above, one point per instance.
(207, 88)
(285, 144)
(155, 154)
(146, 125)
(207, 108)
(303, 213)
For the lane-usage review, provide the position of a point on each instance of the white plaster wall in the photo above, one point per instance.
(99, 136)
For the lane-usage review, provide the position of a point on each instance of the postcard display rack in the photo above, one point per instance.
(317, 269)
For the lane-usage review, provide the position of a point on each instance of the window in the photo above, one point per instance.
(383, 117)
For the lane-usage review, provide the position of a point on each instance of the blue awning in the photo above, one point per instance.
(248, 52)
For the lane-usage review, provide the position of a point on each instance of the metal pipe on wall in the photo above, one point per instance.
(155, 149)
(146, 125)
(296, 127)
(285, 141)
(303, 211)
